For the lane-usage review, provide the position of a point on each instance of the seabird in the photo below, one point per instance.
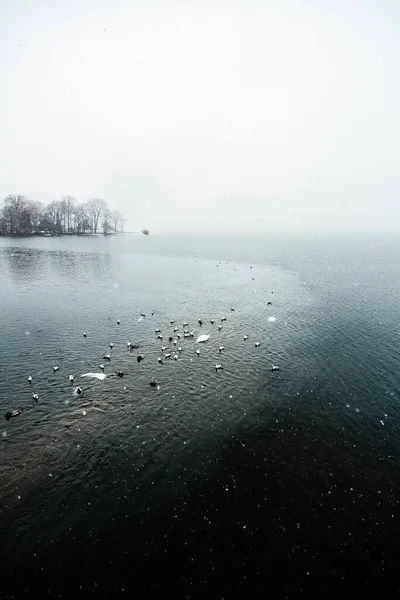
(84, 334)
(142, 315)
(218, 367)
(219, 327)
(198, 352)
(35, 397)
(175, 357)
(172, 322)
(245, 337)
(159, 337)
(178, 335)
(55, 369)
(257, 344)
(185, 324)
(232, 309)
(118, 321)
(212, 321)
(221, 348)
(157, 330)
(13, 413)
(200, 322)
(179, 349)
(170, 338)
(163, 348)
(223, 319)
(175, 342)
(111, 345)
(160, 360)
(101, 367)
(79, 390)
(107, 356)
(152, 313)
(140, 357)
(175, 329)
(133, 346)
(30, 378)
(202, 338)
(274, 368)
(71, 378)
(153, 382)
(269, 303)
(167, 356)
(120, 373)
(191, 334)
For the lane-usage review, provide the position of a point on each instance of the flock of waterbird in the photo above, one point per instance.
(166, 353)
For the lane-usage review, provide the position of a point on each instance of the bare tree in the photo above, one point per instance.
(94, 209)
(106, 221)
(68, 204)
(81, 219)
(116, 220)
(54, 215)
(20, 216)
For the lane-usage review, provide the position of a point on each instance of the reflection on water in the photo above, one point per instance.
(30, 265)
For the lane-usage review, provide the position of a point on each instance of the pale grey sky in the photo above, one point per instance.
(207, 115)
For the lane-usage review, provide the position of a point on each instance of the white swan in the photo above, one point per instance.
(202, 338)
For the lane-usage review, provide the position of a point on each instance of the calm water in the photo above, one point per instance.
(237, 483)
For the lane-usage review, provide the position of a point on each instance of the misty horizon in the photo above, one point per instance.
(224, 117)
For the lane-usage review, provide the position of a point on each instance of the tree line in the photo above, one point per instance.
(20, 216)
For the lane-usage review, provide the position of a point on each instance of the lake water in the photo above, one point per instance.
(237, 483)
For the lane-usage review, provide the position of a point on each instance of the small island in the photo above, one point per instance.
(22, 217)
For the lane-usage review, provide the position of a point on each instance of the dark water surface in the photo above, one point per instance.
(237, 483)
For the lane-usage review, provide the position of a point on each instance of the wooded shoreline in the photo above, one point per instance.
(22, 217)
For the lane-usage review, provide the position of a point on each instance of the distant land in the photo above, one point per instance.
(20, 216)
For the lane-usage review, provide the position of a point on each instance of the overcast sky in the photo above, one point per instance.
(206, 115)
